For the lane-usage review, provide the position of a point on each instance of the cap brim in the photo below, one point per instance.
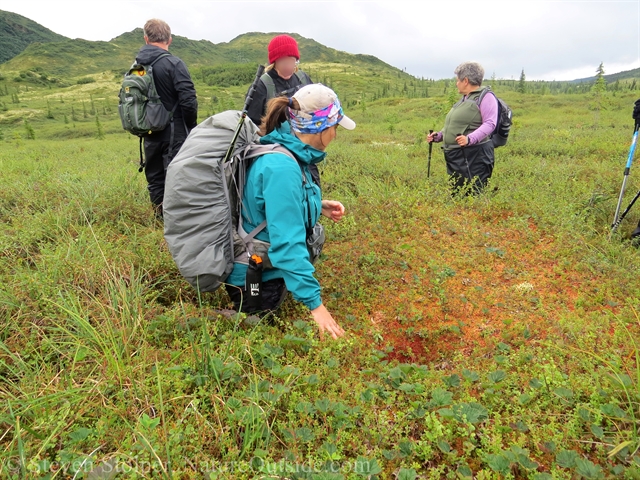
(347, 123)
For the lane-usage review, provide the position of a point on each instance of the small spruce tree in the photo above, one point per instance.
(31, 134)
(99, 128)
(522, 86)
(598, 90)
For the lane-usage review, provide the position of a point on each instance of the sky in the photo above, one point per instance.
(549, 40)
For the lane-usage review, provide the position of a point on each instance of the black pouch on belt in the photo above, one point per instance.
(253, 284)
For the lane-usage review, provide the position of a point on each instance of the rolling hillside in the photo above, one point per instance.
(77, 57)
(67, 62)
(18, 32)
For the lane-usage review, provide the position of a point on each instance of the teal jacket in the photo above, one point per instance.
(274, 191)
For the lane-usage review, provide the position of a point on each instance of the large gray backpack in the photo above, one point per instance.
(202, 199)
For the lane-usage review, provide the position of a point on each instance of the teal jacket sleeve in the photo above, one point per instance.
(285, 211)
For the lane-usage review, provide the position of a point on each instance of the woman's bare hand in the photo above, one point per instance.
(326, 323)
(332, 209)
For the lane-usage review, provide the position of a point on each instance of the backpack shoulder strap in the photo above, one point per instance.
(254, 150)
(159, 57)
(269, 83)
(483, 93)
(303, 77)
(172, 111)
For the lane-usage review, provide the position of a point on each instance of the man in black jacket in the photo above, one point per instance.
(176, 90)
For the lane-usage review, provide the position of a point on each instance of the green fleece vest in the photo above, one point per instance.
(464, 117)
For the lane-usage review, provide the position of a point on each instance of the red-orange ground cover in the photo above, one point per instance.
(461, 283)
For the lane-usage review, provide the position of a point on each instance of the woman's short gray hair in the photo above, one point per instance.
(470, 70)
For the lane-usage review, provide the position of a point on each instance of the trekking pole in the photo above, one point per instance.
(464, 154)
(624, 214)
(429, 160)
(617, 218)
(243, 116)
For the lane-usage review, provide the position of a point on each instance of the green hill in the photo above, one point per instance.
(627, 74)
(230, 64)
(18, 32)
(77, 57)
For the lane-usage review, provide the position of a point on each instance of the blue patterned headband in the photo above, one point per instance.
(317, 121)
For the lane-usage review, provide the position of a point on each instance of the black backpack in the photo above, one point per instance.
(500, 135)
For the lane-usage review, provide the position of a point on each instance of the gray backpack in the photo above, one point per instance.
(202, 200)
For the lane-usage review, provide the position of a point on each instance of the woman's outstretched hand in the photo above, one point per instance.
(326, 323)
(332, 209)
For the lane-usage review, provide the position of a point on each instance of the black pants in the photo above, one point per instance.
(158, 155)
(471, 164)
(273, 294)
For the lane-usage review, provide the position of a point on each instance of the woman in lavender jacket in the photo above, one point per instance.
(468, 150)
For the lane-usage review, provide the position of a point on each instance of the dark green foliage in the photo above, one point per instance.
(228, 74)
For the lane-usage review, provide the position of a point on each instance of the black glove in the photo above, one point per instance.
(636, 111)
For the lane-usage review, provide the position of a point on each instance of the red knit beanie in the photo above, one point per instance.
(283, 46)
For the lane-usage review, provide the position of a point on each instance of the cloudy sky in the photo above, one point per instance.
(550, 40)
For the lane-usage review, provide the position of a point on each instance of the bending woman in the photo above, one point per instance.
(280, 190)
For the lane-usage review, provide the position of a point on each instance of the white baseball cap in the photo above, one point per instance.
(315, 101)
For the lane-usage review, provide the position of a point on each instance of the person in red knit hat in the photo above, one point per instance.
(281, 78)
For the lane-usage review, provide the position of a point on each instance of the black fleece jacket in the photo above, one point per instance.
(174, 84)
(258, 106)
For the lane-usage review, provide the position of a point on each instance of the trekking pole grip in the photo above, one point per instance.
(252, 89)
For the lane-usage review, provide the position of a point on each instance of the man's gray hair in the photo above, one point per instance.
(157, 31)
(470, 70)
